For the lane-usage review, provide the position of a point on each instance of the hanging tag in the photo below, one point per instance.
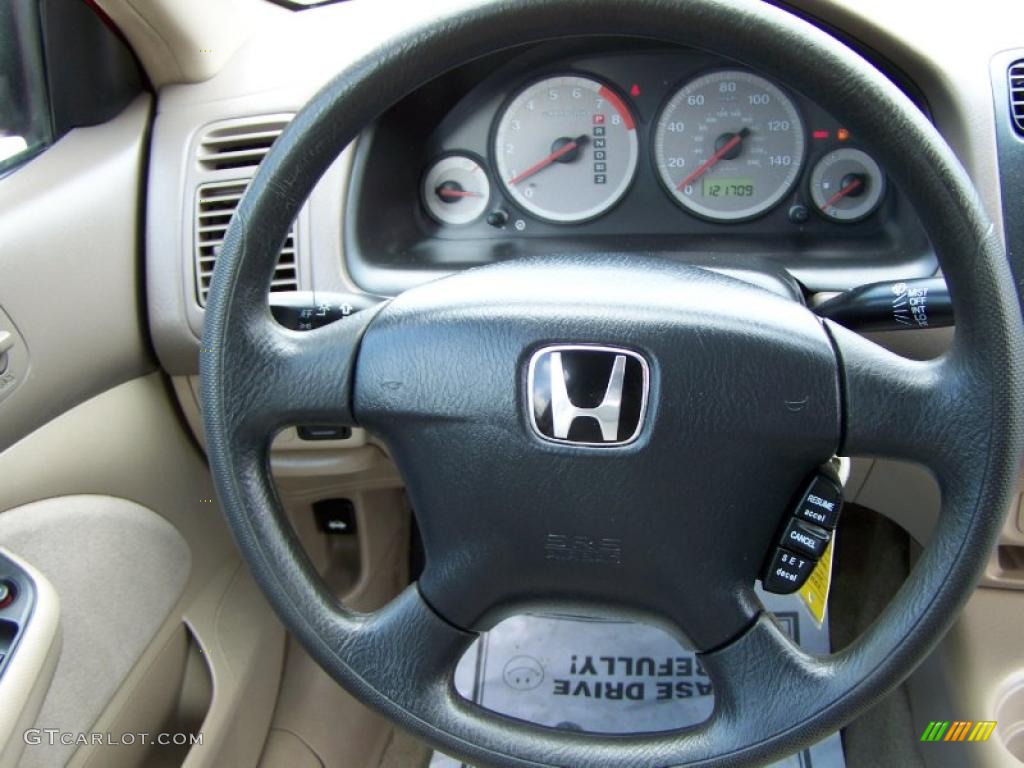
(814, 593)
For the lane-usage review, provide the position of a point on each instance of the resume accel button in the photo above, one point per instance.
(821, 503)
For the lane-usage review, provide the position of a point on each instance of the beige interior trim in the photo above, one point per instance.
(968, 677)
(29, 671)
(170, 700)
(315, 717)
(244, 643)
(182, 41)
(69, 256)
(119, 569)
(130, 442)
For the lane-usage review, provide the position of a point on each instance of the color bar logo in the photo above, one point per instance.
(958, 730)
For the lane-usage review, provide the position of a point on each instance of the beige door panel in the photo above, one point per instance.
(13, 356)
(119, 569)
(129, 447)
(234, 645)
(69, 256)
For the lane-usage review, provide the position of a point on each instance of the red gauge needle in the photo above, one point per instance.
(721, 152)
(853, 186)
(444, 192)
(562, 151)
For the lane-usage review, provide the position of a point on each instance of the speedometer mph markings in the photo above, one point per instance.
(566, 148)
(729, 145)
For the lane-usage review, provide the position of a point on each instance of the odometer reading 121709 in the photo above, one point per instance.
(729, 145)
(566, 148)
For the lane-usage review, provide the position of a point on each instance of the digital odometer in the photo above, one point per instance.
(719, 187)
(566, 148)
(729, 145)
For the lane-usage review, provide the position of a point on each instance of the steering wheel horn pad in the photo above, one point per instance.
(748, 392)
(743, 402)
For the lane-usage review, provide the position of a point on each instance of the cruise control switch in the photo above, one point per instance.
(809, 540)
(821, 502)
(806, 533)
(787, 572)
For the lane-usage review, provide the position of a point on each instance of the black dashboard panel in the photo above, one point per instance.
(392, 242)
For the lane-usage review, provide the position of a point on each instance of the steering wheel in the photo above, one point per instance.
(747, 392)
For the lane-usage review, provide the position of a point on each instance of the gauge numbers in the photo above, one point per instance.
(729, 145)
(566, 148)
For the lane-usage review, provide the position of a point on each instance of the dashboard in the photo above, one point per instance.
(603, 145)
(384, 217)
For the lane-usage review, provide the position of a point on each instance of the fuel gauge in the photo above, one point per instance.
(456, 190)
(847, 185)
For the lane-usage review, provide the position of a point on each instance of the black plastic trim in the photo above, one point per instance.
(91, 73)
(298, 6)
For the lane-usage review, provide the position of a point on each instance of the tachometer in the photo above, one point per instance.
(566, 148)
(729, 145)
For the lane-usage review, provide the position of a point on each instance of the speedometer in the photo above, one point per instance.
(729, 145)
(566, 148)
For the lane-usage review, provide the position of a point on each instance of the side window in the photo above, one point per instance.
(25, 116)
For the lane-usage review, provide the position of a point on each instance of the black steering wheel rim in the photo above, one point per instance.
(960, 415)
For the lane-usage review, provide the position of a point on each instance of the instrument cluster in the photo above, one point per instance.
(638, 147)
(728, 145)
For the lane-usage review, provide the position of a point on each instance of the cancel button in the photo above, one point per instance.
(804, 538)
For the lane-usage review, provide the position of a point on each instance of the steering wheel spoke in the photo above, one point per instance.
(902, 409)
(754, 674)
(405, 650)
(287, 378)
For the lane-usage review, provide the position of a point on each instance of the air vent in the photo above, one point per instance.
(215, 204)
(239, 144)
(1016, 77)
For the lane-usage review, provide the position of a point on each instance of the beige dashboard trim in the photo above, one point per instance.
(187, 40)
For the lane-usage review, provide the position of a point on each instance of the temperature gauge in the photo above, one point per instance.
(456, 190)
(847, 185)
